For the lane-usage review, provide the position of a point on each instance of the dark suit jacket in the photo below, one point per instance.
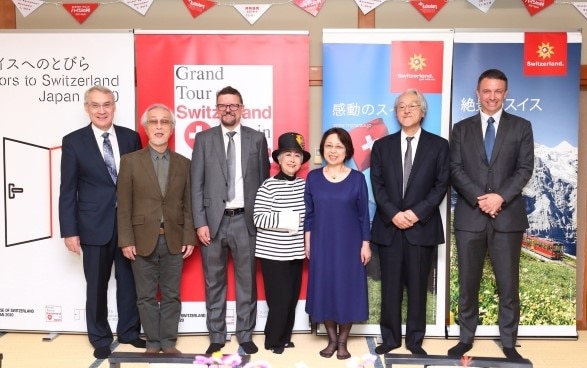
(427, 187)
(209, 175)
(87, 199)
(510, 168)
(141, 203)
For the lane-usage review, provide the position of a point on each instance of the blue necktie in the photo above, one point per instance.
(109, 157)
(489, 137)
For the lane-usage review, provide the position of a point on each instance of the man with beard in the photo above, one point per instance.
(229, 163)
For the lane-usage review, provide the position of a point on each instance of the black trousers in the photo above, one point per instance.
(282, 281)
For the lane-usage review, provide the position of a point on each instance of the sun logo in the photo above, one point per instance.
(417, 62)
(545, 51)
(300, 140)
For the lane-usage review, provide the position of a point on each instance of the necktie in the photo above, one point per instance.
(489, 137)
(407, 164)
(161, 173)
(231, 164)
(109, 157)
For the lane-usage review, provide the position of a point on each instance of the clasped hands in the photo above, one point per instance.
(405, 219)
(490, 203)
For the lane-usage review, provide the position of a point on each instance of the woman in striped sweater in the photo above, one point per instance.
(279, 217)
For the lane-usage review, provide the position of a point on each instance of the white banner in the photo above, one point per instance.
(43, 285)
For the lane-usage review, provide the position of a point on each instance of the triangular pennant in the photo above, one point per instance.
(81, 12)
(311, 6)
(197, 7)
(141, 6)
(581, 7)
(482, 5)
(428, 8)
(252, 12)
(26, 7)
(534, 6)
(367, 5)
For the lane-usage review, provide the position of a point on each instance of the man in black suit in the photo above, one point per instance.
(492, 159)
(407, 226)
(87, 217)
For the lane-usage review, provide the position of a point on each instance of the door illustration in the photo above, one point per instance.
(27, 192)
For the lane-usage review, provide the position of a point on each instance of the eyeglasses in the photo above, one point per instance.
(96, 106)
(232, 107)
(330, 147)
(155, 122)
(407, 107)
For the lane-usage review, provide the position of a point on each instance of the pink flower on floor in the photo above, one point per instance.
(363, 361)
(217, 360)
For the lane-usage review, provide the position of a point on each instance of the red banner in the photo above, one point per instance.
(545, 53)
(535, 6)
(428, 8)
(416, 64)
(81, 12)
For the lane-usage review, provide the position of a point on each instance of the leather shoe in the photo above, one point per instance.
(152, 350)
(384, 349)
(277, 349)
(512, 354)
(137, 343)
(417, 350)
(249, 347)
(289, 345)
(214, 347)
(171, 350)
(459, 349)
(103, 352)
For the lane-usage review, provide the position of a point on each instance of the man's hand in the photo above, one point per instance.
(403, 220)
(203, 233)
(187, 250)
(129, 251)
(72, 244)
(490, 203)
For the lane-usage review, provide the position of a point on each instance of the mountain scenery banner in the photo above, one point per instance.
(539, 66)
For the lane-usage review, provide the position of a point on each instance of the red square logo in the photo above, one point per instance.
(416, 64)
(545, 54)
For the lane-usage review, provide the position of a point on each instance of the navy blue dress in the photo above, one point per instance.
(337, 215)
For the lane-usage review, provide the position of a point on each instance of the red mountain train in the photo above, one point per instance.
(547, 248)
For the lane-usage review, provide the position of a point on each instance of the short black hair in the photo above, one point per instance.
(493, 74)
(228, 90)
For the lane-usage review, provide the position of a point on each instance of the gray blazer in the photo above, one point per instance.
(209, 175)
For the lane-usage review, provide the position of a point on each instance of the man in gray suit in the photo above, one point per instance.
(229, 163)
(492, 159)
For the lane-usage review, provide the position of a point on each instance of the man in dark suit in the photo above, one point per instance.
(492, 159)
(155, 228)
(407, 226)
(229, 163)
(87, 217)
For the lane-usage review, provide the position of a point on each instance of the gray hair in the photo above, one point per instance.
(157, 106)
(421, 100)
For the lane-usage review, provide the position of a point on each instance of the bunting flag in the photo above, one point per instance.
(582, 8)
(141, 6)
(26, 7)
(428, 8)
(311, 6)
(81, 12)
(367, 5)
(482, 5)
(534, 6)
(545, 53)
(252, 12)
(197, 7)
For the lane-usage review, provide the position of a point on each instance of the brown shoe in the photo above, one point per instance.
(152, 350)
(171, 350)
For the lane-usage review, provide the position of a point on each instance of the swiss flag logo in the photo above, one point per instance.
(363, 138)
(545, 54)
(416, 64)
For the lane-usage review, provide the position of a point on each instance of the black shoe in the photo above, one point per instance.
(384, 349)
(289, 345)
(459, 349)
(512, 354)
(103, 352)
(249, 347)
(214, 347)
(417, 350)
(137, 343)
(277, 349)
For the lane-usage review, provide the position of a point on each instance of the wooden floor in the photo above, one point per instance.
(28, 350)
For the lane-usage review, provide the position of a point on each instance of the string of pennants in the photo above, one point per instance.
(252, 12)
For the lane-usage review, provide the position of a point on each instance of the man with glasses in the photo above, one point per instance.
(229, 163)
(155, 229)
(87, 218)
(409, 175)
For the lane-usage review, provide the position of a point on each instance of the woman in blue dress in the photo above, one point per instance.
(337, 238)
